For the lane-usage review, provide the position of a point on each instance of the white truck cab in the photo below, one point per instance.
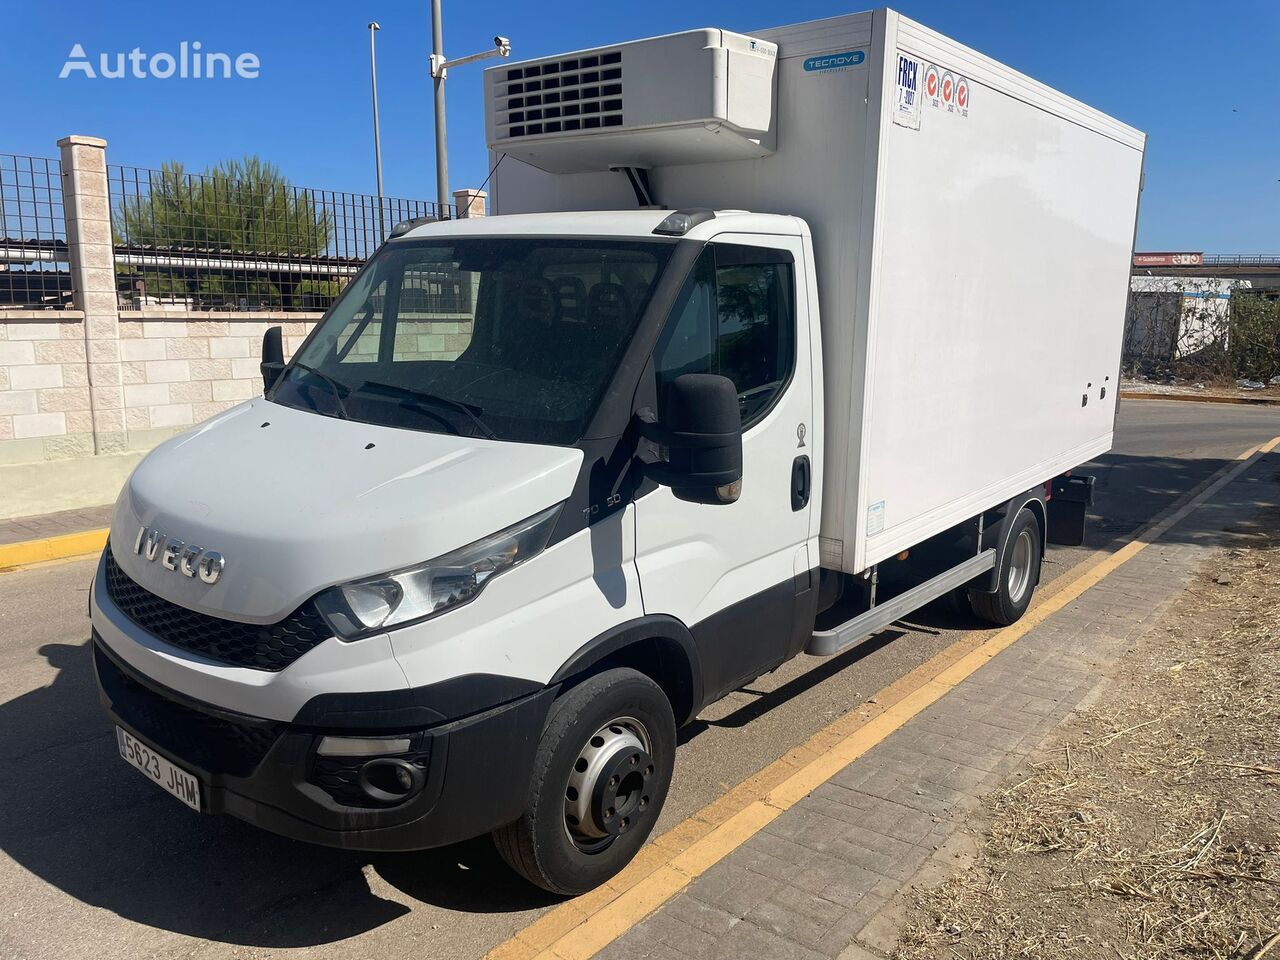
(541, 486)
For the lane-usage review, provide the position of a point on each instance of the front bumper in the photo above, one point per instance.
(267, 773)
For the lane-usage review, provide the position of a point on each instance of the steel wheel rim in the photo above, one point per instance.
(619, 740)
(1020, 565)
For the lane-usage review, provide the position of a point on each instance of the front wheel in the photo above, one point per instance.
(1018, 574)
(599, 781)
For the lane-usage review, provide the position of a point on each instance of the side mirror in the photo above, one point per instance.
(701, 427)
(272, 357)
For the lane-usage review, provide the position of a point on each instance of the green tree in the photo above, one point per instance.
(238, 207)
(1255, 336)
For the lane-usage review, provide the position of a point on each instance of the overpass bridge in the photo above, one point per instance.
(1261, 270)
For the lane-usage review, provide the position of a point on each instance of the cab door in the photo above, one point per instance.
(741, 576)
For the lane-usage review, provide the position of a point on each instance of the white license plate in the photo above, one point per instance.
(155, 767)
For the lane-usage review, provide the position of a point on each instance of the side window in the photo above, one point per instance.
(735, 317)
(688, 341)
(757, 328)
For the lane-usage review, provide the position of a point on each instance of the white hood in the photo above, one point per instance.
(296, 502)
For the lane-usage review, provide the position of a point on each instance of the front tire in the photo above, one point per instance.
(1018, 569)
(600, 778)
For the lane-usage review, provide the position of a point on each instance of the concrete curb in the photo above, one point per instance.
(1197, 398)
(51, 548)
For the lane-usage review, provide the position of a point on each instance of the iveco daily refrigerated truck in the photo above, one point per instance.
(775, 339)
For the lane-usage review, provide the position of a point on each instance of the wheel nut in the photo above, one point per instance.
(613, 781)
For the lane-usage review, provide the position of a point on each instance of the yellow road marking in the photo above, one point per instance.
(580, 928)
(51, 548)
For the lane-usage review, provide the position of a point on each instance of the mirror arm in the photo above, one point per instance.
(271, 371)
(651, 429)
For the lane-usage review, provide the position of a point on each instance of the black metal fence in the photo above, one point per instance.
(34, 271)
(205, 242)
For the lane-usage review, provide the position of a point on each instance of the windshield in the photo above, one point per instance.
(508, 338)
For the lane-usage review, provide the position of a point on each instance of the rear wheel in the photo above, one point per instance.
(599, 781)
(1018, 572)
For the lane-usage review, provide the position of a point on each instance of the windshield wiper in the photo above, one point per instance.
(330, 383)
(418, 397)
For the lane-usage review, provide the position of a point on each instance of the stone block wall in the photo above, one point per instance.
(177, 368)
(44, 387)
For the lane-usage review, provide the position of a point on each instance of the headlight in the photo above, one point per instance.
(395, 599)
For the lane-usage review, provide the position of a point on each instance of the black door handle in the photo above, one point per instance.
(801, 482)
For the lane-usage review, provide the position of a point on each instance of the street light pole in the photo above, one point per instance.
(439, 70)
(437, 76)
(377, 136)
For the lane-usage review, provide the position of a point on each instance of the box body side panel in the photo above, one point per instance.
(1002, 262)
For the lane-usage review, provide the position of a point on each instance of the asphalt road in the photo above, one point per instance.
(96, 862)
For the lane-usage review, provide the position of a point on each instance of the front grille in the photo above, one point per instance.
(260, 646)
(560, 95)
(214, 744)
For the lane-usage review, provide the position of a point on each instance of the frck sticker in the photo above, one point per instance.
(906, 100)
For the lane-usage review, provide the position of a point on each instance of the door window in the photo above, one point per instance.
(735, 317)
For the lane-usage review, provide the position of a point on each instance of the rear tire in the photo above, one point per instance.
(1018, 572)
(600, 778)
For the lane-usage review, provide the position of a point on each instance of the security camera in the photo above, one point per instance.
(503, 44)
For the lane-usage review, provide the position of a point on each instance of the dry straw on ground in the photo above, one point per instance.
(1150, 826)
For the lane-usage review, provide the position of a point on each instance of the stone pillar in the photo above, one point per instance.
(87, 206)
(470, 203)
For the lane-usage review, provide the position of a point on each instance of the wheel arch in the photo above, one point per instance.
(1037, 506)
(659, 646)
(997, 533)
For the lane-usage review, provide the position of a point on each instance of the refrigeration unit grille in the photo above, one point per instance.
(559, 96)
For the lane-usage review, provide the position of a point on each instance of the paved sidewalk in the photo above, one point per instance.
(819, 881)
(54, 524)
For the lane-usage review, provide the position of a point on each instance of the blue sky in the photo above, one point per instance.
(1201, 79)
